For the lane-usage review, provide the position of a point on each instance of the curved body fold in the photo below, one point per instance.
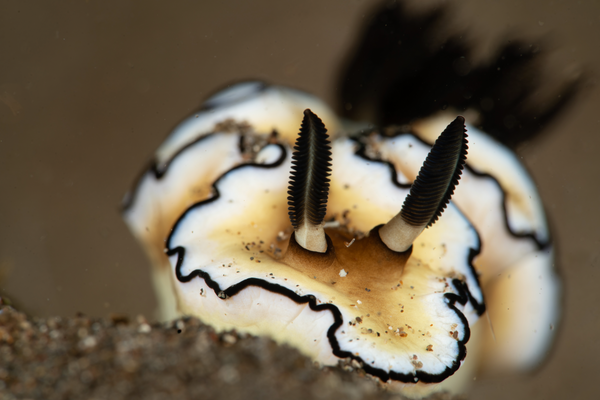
(212, 213)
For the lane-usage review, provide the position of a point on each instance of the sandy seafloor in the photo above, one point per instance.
(96, 86)
(111, 359)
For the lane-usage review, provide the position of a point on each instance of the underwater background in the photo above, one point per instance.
(88, 90)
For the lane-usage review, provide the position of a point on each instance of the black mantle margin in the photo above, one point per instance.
(462, 296)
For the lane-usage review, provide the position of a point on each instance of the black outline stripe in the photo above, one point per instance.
(158, 171)
(524, 235)
(438, 177)
(462, 296)
(216, 192)
(361, 152)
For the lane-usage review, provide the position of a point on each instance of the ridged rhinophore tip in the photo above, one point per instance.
(309, 183)
(432, 190)
(439, 175)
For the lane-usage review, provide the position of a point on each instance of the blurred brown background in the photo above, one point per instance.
(89, 89)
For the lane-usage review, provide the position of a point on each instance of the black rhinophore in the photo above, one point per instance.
(439, 175)
(311, 166)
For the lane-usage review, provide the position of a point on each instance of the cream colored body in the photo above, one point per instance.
(223, 238)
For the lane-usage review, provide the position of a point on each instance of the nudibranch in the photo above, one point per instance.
(321, 242)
